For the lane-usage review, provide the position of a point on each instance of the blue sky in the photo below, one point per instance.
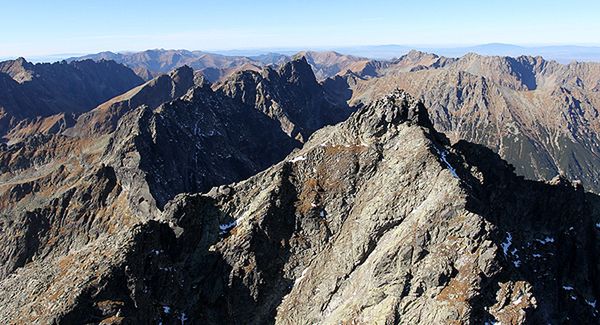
(30, 28)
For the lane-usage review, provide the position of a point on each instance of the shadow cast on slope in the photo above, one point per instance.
(197, 272)
(549, 234)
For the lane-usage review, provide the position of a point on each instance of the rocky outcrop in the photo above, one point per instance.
(289, 95)
(375, 220)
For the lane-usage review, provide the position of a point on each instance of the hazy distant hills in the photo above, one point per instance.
(560, 53)
(151, 63)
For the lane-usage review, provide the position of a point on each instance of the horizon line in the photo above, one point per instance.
(274, 49)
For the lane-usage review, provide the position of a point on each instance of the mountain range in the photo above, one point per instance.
(42, 97)
(541, 116)
(185, 187)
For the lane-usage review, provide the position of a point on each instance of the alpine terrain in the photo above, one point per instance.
(270, 197)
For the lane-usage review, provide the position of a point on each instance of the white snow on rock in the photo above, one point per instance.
(299, 158)
(506, 244)
(301, 276)
(443, 154)
(226, 227)
(518, 301)
(546, 240)
(568, 288)
(167, 309)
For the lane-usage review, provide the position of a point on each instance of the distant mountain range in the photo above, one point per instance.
(559, 53)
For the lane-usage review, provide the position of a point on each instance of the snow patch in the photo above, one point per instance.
(301, 276)
(506, 244)
(299, 158)
(226, 227)
(518, 301)
(167, 309)
(568, 288)
(592, 303)
(506, 247)
(517, 262)
(546, 240)
(494, 322)
(443, 154)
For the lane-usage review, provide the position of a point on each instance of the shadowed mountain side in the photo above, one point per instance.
(31, 92)
(104, 118)
(290, 95)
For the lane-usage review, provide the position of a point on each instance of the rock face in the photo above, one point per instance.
(290, 95)
(30, 92)
(194, 143)
(375, 220)
(541, 116)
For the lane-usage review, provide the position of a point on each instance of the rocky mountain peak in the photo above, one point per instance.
(417, 55)
(399, 107)
(290, 95)
(19, 69)
(373, 220)
(182, 73)
(298, 71)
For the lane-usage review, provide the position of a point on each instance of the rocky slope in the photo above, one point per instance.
(42, 97)
(541, 116)
(375, 220)
(123, 161)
